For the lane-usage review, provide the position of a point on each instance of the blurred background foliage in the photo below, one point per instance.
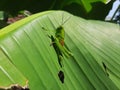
(98, 9)
(92, 9)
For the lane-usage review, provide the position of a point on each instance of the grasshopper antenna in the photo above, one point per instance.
(63, 22)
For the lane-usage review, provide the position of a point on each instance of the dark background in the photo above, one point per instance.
(99, 9)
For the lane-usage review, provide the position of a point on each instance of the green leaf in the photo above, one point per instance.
(26, 54)
(85, 3)
(1, 15)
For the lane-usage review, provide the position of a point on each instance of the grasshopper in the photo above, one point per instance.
(59, 49)
(60, 32)
(58, 43)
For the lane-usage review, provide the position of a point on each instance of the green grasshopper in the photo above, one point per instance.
(60, 33)
(58, 44)
(60, 50)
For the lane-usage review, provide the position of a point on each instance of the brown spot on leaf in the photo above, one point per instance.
(16, 87)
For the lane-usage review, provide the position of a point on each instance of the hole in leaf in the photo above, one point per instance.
(61, 76)
(105, 68)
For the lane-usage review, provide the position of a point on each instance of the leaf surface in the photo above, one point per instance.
(26, 54)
